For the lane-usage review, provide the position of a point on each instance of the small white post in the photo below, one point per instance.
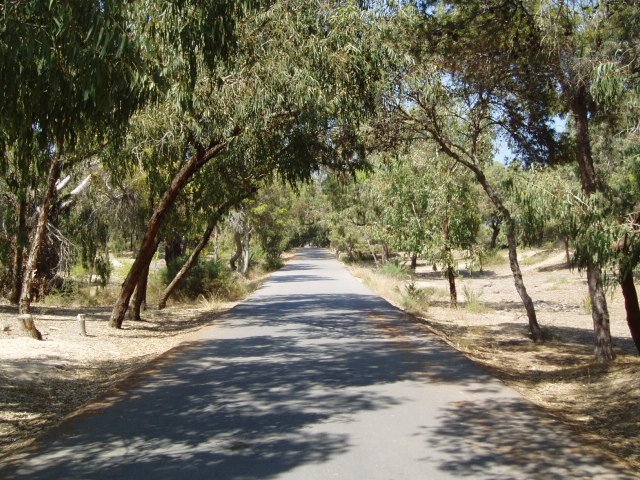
(81, 324)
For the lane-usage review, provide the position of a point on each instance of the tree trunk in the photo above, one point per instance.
(148, 247)
(566, 251)
(599, 311)
(18, 253)
(495, 231)
(600, 315)
(631, 306)
(29, 326)
(139, 296)
(385, 252)
(216, 244)
(534, 327)
(453, 294)
(451, 274)
(193, 258)
(246, 250)
(373, 253)
(414, 261)
(39, 237)
(236, 256)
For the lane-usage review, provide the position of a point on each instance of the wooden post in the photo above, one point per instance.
(82, 324)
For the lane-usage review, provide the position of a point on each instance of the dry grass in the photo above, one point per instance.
(602, 402)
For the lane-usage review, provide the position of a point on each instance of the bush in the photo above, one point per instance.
(206, 278)
(393, 269)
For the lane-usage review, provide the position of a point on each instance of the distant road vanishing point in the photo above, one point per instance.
(313, 377)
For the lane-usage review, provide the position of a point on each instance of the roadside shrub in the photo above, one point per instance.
(393, 269)
(207, 278)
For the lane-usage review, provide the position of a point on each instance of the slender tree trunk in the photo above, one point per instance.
(631, 306)
(18, 253)
(246, 251)
(453, 294)
(495, 231)
(193, 258)
(216, 244)
(385, 252)
(237, 238)
(148, 246)
(566, 251)
(39, 237)
(414, 261)
(599, 310)
(451, 274)
(534, 327)
(373, 253)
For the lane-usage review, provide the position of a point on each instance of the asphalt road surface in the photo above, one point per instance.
(314, 377)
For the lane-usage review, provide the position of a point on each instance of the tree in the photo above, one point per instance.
(77, 62)
(244, 110)
(430, 100)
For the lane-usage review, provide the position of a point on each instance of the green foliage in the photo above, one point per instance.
(395, 270)
(206, 278)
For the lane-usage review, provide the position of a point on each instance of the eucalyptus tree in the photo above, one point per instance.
(431, 207)
(286, 95)
(67, 71)
(430, 100)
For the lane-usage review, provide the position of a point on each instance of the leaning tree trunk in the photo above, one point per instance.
(193, 258)
(39, 237)
(148, 247)
(599, 310)
(631, 306)
(18, 253)
(534, 327)
(191, 261)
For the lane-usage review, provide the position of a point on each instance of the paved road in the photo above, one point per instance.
(314, 377)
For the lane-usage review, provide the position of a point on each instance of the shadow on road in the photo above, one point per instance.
(242, 406)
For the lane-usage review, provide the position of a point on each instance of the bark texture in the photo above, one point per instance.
(599, 310)
(39, 237)
(29, 326)
(237, 238)
(18, 253)
(631, 306)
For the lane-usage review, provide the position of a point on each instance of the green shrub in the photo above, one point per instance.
(393, 269)
(206, 278)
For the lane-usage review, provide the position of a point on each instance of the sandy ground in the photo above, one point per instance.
(41, 382)
(602, 402)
